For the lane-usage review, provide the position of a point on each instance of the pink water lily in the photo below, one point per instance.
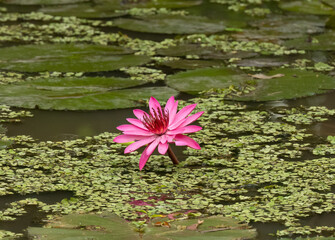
(159, 128)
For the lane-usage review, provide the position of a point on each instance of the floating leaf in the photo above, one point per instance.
(288, 26)
(94, 83)
(42, 2)
(150, 3)
(263, 76)
(296, 83)
(325, 42)
(86, 226)
(308, 6)
(213, 228)
(84, 10)
(263, 62)
(171, 24)
(202, 52)
(67, 58)
(195, 81)
(109, 226)
(191, 64)
(78, 98)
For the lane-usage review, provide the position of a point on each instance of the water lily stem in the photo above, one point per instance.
(172, 156)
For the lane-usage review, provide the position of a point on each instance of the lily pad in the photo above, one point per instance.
(308, 6)
(171, 24)
(112, 227)
(86, 226)
(83, 10)
(67, 58)
(191, 64)
(149, 3)
(291, 24)
(263, 62)
(325, 42)
(42, 2)
(202, 52)
(97, 83)
(294, 84)
(78, 98)
(195, 81)
(212, 228)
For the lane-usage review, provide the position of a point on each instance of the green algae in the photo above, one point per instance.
(240, 148)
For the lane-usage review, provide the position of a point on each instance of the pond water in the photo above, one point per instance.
(80, 68)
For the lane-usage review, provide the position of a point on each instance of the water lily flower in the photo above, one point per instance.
(159, 128)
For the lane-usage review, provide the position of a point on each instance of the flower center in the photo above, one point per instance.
(156, 121)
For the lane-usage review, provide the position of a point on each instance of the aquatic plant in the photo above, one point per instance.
(159, 128)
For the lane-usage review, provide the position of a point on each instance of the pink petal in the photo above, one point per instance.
(136, 122)
(136, 145)
(163, 139)
(182, 140)
(133, 130)
(152, 146)
(127, 138)
(146, 154)
(169, 104)
(170, 138)
(162, 148)
(154, 106)
(187, 129)
(191, 119)
(173, 112)
(139, 113)
(181, 115)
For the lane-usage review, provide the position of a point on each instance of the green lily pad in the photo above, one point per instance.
(331, 22)
(94, 83)
(84, 10)
(86, 226)
(309, 238)
(324, 42)
(291, 24)
(212, 228)
(112, 227)
(78, 98)
(67, 58)
(191, 64)
(308, 6)
(202, 52)
(263, 62)
(42, 2)
(149, 3)
(294, 84)
(171, 24)
(195, 81)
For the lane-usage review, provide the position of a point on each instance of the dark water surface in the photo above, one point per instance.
(65, 125)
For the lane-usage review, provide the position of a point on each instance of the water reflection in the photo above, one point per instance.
(60, 125)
